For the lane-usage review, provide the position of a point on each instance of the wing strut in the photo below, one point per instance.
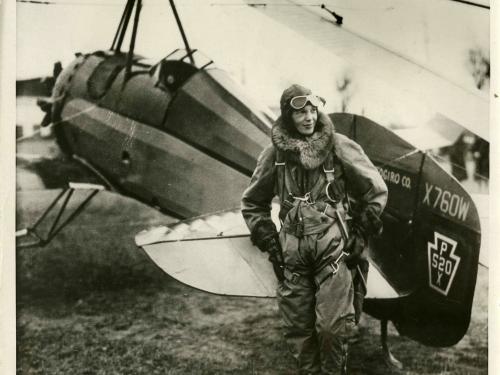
(181, 29)
(122, 27)
(38, 239)
(130, 58)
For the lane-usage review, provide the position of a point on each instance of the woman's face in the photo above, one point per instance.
(305, 119)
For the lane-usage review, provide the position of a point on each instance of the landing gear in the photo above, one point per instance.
(57, 226)
(389, 359)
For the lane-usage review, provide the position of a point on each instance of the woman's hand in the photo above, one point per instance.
(276, 258)
(355, 246)
(265, 237)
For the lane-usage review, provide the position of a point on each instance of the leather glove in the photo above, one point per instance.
(265, 237)
(366, 224)
(276, 258)
(369, 222)
(355, 247)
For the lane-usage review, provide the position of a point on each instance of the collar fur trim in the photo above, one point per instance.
(309, 151)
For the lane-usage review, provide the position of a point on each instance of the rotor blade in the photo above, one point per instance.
(389, 76)
(214, 253)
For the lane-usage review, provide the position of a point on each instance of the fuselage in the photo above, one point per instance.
(172, 134)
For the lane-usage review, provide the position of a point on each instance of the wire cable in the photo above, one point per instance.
(45, 2)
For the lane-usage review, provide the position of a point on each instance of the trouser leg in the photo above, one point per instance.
(296, 303)
(335, 320)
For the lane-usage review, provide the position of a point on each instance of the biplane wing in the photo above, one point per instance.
(432, 98)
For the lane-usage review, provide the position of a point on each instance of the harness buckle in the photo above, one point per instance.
(292, 277)
(306, 198)
(327, 189)
(335, 264)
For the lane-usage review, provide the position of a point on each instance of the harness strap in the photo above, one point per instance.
(329, 170)
(280, 172)
(333, 189)
(329, 269)
(287, 186)
(284, 189)
(285, 177)
(336, 194)
(292, 277)
(286, 183)
(291, 185)
(289, 192)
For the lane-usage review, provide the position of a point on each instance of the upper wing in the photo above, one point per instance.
(392, 79)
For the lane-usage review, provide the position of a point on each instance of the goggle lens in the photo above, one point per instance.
(299, 102)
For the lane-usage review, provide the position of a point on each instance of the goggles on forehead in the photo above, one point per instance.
(299, 102)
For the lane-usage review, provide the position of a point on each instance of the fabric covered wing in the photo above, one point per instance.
(214, 253)
(389, 76)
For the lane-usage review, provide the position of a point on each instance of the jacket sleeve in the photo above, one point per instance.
(365, 182)
(256, 200)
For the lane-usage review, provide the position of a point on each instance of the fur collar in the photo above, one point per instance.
(308, 151)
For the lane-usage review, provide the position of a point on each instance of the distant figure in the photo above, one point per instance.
(481, 152)
(317, 252)
(457, 158)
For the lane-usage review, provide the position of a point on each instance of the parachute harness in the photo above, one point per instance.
(291, 215)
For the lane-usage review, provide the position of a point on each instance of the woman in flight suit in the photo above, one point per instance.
(312, 169)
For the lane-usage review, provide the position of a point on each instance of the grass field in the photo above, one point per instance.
(92, 303)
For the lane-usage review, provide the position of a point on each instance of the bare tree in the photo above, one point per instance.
(479, 66)
(345, 88)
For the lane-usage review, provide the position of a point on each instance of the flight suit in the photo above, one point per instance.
(315, 297)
